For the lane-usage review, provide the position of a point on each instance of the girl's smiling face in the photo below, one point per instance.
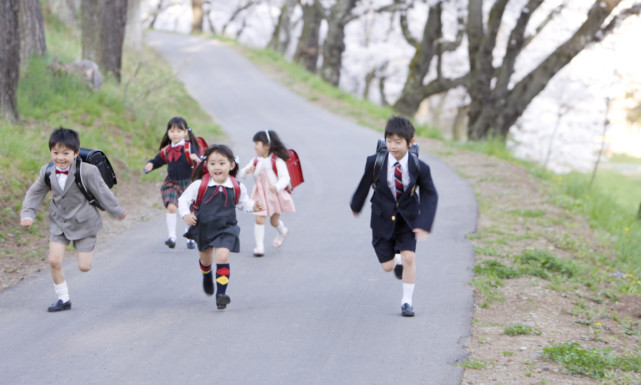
(62, 156)
(219, 166)
(261, 148)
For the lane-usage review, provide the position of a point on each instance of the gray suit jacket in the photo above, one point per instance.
(70, 212)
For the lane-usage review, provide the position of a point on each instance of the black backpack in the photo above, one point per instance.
(381, 154)
(98, 159)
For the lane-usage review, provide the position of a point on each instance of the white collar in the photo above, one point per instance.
(391, 160)
(181, 143)
(227, 183)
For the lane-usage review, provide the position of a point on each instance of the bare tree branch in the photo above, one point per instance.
(632, 11)
(242, 7)
(553, 13)
(405, 27)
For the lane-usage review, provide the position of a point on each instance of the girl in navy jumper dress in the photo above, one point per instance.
(179, 169)
(213, 224)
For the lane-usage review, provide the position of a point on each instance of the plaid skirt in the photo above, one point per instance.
(171, 190)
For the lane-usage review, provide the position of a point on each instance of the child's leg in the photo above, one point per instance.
(409, 276)
(280, 227)
(84, 261)
(259, 236)
(56, 256)
(171, 224)
(206, 259)
(222, 277)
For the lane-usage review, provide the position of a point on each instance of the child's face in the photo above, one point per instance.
(219, 166)
(176, 134)
(397, 146)
(261, 148)
(62, 156)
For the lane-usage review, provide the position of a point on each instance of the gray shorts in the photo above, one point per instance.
(84, 245)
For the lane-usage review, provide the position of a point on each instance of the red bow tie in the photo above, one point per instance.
(62, 172)
(174, 153)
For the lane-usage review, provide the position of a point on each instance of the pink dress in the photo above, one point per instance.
(278, 203)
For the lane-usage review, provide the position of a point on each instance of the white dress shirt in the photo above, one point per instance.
(390, 172)
(191, 193)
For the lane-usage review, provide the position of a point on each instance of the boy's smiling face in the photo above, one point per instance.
(62, 156)
(397, 146)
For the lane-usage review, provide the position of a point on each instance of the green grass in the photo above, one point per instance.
(517, 330)
(595, 362)
(125, 120)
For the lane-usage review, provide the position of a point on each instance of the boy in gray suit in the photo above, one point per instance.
(71, 217)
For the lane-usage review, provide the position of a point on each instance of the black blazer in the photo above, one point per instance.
(417, 205)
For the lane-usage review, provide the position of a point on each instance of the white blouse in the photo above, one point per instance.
(191, 193)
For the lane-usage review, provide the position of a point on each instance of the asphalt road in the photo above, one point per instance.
(319, 310)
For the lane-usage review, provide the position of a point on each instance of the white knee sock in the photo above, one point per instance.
(171, 225)
(280, 227)
(62, 291)
(408, 292)
(259, 235)
(397, 259)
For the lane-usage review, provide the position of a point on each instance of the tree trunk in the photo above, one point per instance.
(197, 16)
(334, 45)
(32, 33)
(411, 96)
(103, 33)
(9, 58)
(282, 34)
(133, 31)
(65, 10)
(307, 49)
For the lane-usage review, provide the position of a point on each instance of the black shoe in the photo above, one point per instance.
(191, 244)
(398, 271)
(208, 283)
(59, 306)
(407, 310)
(171, 243)
(222, 300)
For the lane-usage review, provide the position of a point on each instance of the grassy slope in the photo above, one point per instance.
(126, 121)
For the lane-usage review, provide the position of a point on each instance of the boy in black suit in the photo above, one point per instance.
(403, 205)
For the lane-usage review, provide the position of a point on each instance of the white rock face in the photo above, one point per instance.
(563, 128)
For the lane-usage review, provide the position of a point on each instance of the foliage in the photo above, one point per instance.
(518, 329)
(124, 120)
(593, 363)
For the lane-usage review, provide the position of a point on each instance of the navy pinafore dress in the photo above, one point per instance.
(217, 225)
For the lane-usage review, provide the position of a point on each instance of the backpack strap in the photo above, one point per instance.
(187, 148)
(163, 154)
(378, 165)
(204, 181)
(48, 172)
(81, 186)
(236, 189)
(418, 171)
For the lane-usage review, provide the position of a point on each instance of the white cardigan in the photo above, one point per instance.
(281, 182)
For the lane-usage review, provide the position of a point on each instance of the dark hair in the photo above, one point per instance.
(65, 137)
(221, 149)
(276, 146)
(181, 123)
(402, 127)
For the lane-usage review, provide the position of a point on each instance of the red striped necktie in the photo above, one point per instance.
(398, 179)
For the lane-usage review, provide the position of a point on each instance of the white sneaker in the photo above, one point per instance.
(259, 252)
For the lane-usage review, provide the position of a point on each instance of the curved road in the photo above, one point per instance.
(317, 311)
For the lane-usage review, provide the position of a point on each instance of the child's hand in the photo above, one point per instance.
(195, 158)
(273, 189)
(190, 219)
(122, 216)
(148, 167)
(258, 206)
(355, 214)
(26, 222)
(250, 170)
(421, 234)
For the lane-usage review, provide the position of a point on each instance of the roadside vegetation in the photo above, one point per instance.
(125, 120)
(582, 242)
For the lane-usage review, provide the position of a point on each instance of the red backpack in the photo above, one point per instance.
(293, 167)
(203, 187)
(202, 145)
